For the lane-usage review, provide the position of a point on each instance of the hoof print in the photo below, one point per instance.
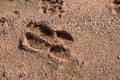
(40, 37)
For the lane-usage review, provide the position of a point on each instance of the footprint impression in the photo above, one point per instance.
(39, 37)
(51, 6)
(116, 7)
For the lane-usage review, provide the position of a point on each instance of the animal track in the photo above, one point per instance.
(39, 37)
(116, 7)
(52, 6)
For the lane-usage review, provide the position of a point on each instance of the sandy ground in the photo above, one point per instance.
(59, 39)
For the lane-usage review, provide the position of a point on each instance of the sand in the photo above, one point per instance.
(59, 39)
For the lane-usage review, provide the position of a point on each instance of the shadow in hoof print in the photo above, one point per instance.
(39, 37)
(58, 51)
(116, 7)
(65, 35)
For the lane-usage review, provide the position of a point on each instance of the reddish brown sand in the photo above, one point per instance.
(59, 39)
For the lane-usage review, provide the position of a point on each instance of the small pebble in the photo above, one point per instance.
(118, 57)
(21, 75)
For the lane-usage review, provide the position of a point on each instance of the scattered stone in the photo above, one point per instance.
(4, 74)
(2, 20)
(21, 74)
